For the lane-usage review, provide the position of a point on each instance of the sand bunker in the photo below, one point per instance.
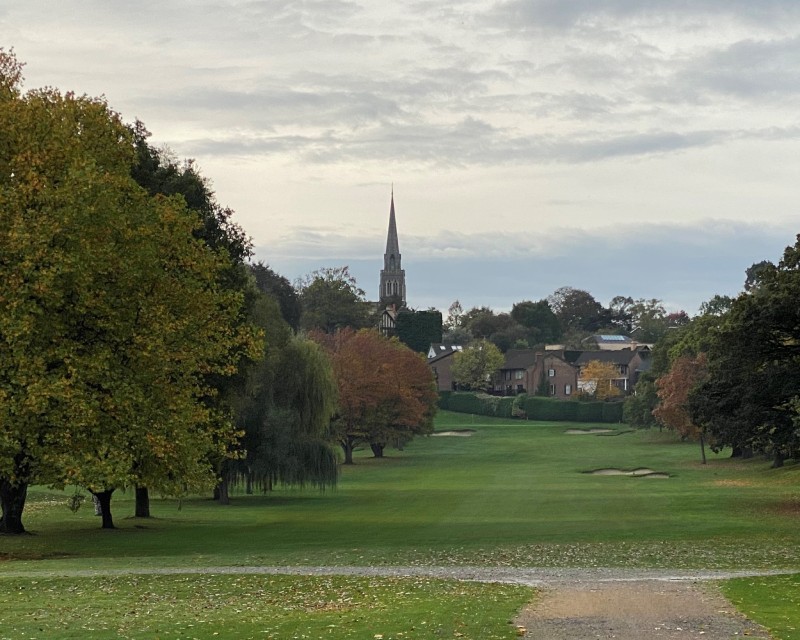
(463, 433)
(581, 432)
(641, 472)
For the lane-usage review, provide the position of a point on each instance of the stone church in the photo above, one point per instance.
(392, 291)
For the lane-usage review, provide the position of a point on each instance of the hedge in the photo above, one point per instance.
(535, 407)
(478, 403)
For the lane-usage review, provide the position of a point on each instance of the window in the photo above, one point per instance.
(519, 375)
(552, 373)
(567, 389)
(552, 389)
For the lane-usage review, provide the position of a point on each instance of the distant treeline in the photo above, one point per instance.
(528, 407)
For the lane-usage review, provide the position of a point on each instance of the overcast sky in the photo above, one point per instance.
(648, 148)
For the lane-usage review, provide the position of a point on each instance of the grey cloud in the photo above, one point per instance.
(466, 143)
(557, 14)
(748, 69)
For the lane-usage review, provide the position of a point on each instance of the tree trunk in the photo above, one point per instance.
(347, 445)
(12, 499)
(104, 497)
(249, 484)
(703, 448)
(142, 503)
(777, 459)
(224, 497)
(377, 449)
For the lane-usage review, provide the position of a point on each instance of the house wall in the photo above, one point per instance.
(563, 384)
(442, 373)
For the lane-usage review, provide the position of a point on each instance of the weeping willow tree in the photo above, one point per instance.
(285, 414)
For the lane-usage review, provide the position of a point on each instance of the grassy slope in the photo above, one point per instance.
(512, 493)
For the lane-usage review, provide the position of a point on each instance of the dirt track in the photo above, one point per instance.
(635, 611)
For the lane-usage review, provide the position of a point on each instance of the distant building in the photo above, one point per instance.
(440, 360)
(392, 291)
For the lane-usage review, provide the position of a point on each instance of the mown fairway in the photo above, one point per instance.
(513, 493)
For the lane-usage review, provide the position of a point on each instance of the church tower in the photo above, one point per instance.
(393, 277)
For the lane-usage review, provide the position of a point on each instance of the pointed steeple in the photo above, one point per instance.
(392, 243)
(393, 277)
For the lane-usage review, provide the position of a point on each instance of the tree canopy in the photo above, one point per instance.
(386, 391)
(474, 366)
(331, 299)
(112, 320)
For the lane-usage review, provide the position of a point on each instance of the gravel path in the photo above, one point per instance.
(575, 604)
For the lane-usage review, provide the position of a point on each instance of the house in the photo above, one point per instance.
(515, 375)
(541, 373)
(440, 360)
(557, 374)
(628, 362)
(387, 324)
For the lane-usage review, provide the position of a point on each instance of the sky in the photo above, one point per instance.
(644, 148)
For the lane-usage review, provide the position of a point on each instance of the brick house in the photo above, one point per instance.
(628, 362)
(528, 371)
(557, 374)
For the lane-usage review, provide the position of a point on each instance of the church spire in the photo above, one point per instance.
(393, 276)
(392, 243)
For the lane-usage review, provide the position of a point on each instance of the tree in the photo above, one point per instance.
(673, 391)
(331, 300)
(577, 310)
(598, 379)
(746, 401)
(474, 367)
(286, 417)
(159, 172)
(111, 320)
(419, 329)
(539, 320)
(454, 313)
(281, 289)
(386, 392)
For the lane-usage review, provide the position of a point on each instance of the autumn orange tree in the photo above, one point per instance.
(111, 319)
(600, 377)
(673, 391)
(387, 393)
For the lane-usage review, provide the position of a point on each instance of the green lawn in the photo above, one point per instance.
(513, 493)
(253, 606)
(774, 602)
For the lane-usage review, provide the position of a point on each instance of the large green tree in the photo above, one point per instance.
(284, 411)
(749, 397)
(474, 367)
(331, 300)
(111, 318)
(279, 287)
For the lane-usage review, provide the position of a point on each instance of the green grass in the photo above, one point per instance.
(256, 606)
(773, 602)
(514, 493)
